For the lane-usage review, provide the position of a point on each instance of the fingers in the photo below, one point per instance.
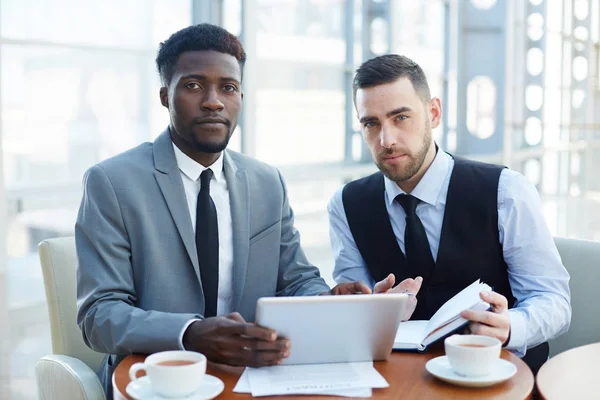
(494, 320)
(280, 345)
(412, 285)
(235, 316)
(357, 287)
(238, 328)
(409, 286)
(250, 345)
(360, 287)
(480, 329)
(410, 308)
(385, 284)
(258, 353)
(260, 333)
(489, 323)
(251, 357)
(476, 316)
(231, 340)
(257, 358)
(417, 284)
(498, 302)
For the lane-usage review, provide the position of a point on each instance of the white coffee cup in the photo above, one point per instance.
(173, 373)
(472, 355)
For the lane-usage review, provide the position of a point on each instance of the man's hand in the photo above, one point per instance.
(350, 288)
(495, 323)
(231, 340)
(406, 286)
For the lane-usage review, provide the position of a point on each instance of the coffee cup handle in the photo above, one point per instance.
(135, 368)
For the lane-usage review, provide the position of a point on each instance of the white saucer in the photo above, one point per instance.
(440, 368)
(141, 389)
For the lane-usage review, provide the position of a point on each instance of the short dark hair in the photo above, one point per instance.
(196, 38)
(388, 68)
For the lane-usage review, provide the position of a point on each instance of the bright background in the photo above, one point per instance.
(518, 80)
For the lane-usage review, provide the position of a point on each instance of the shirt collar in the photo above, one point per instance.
(429, 187)
(193, 169)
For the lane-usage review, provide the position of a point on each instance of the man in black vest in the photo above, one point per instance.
(446, 219)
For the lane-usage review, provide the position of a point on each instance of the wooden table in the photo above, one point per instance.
(405, 372)
(574, 374)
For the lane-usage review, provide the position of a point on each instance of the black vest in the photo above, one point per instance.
(469, 247)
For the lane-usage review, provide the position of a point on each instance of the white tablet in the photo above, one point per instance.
(332, 329)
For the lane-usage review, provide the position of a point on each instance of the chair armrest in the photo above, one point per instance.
(64, 377)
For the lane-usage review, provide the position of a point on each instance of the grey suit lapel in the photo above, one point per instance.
(237, 185)
(169, 181)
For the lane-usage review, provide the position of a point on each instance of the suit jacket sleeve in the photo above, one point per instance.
(106, 294)
(297, 277)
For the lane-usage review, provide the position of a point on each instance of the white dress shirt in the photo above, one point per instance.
(190, 175)
(538, 280)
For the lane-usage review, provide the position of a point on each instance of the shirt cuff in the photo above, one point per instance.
(518, 333)
(183, 332)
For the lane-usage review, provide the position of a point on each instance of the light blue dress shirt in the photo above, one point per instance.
(538, 280)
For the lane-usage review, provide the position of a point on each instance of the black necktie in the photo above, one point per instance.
(207, 244)
(416, 245)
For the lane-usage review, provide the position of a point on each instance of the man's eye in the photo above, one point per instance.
(401, 117)
(192, 85)
(230, 88)
(370, 124)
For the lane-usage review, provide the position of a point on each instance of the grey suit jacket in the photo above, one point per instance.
(138, 280)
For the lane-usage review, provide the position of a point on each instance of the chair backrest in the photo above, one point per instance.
(59, 266)
(582, 260)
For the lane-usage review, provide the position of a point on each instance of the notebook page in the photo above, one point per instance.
(466, 298)
(451, 325)
(410, 332)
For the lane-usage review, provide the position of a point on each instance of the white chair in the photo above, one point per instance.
(69, 373)
(582, 260)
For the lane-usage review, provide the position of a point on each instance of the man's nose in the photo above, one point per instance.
(211, 101)
(387, 137)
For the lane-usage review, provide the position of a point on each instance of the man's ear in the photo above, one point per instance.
(435, 111)
(164, 96)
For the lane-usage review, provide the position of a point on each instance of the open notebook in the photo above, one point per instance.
(417, 335)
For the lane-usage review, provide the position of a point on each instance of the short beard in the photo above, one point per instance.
(415, 164)
(206, 147)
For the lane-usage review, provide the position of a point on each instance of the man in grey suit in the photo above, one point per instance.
(177, 239)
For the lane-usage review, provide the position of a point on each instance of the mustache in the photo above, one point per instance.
(212, 119)
(393, 152)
